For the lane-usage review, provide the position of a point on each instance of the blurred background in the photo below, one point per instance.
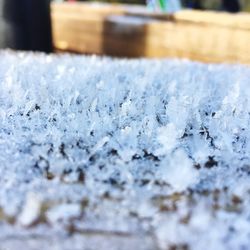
(29, 25)
(228, 5)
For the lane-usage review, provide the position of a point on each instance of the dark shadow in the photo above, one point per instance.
(231, 5)
(124, 36)
(25, 25)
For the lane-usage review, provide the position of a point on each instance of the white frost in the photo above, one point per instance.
(30, 211)
(113, 146)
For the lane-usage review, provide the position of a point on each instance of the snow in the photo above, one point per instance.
(123, 154)
(31, 210)
(124, 21)
(64, 212)
(182, 177)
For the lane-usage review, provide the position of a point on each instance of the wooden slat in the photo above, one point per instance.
(121, 30)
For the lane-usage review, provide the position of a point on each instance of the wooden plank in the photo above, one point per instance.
(215, 44)
(121, 30)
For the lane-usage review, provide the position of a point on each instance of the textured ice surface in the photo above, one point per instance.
(97, 153)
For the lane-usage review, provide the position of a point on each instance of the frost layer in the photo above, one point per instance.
(153, 151)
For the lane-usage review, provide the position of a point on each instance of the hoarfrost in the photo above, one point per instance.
(123, 152)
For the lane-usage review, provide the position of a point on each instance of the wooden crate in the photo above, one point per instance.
(132, 31)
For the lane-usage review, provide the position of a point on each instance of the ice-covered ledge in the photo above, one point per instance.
(123, 150)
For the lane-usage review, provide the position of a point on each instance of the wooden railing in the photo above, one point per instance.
(131, 31)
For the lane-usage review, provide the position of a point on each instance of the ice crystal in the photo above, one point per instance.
(123, 154)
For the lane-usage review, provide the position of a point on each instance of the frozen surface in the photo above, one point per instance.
(98, 153)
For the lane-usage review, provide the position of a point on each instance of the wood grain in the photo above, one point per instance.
(131, 31)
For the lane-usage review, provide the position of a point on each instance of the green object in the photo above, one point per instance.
(163, 4)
